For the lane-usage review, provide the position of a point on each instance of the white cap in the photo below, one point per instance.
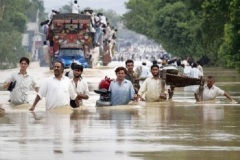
(185, 63)
(159, 60)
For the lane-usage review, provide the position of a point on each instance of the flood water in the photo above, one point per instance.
(175, 130)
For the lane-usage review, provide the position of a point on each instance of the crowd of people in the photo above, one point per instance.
(103, 34)
(70, 89)
(58, 90)
(154, 88)
(139, 51)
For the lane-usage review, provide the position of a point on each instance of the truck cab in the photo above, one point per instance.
(70, 55)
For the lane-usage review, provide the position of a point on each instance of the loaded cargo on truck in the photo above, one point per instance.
(70, 39)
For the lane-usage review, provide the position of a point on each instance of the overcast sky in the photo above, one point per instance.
(116, 5)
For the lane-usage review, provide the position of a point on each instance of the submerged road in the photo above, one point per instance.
(174, 130)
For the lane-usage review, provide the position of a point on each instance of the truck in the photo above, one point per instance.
(70, 39)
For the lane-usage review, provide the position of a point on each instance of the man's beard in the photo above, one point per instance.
(77, 76)
(56, 72)
(155, 75)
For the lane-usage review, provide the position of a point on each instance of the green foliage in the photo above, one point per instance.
(66, 8)
(190, 28)
(230, 49)
(19, 21)
(14, 15)
(10, 49)
(167, 22)
(32, 8)
(173, 27)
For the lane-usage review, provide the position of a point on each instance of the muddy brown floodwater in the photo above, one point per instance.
(175, 130)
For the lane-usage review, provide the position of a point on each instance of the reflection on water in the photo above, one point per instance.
(150, 131)
(176, 130)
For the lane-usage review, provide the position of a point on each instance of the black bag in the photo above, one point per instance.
(73, 104)
(67, 73)
(11, 86)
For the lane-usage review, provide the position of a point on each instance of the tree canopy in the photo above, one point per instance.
(190, 28)
(14, 15)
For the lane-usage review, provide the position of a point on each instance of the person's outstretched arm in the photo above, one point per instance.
(229, 97)
(35, 103)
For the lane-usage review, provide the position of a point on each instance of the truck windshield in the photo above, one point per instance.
(71, 52)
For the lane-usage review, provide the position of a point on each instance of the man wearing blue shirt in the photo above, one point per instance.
(122, 90)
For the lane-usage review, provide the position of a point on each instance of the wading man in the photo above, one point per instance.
(122, 90)
(210, 92)
(23, 84)
(79, 85)
(56, 89)
(153, 88)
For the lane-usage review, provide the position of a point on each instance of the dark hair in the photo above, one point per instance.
(154, 65)
(128, 61)
(78, 67)
(194, 65)
(210, 77)
(190, 62)
(120, 69)
(24, 59)
(103, 26)
(154, 62)
(62, 64)
(73, 65)
(178, 62)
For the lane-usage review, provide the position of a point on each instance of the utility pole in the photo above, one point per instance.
(36, 39)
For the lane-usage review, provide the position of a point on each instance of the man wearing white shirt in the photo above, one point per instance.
(75, 7)
(187, 69)
(153, 87)
(79, 85)
(199, 67)
(143, 72)
(194, 73)
(56, 89)
(103, 19)
(45, 51)
(24, 82)
(95, 55)
(211, 91)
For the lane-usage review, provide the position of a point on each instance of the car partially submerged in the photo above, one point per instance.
(70, 55)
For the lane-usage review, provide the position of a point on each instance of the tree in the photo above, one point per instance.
(14, 15)
(230, 49)
(66, 8)
(33, 7)
(19, 21)
(186, 27)
(10, 49)
(167, 22)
